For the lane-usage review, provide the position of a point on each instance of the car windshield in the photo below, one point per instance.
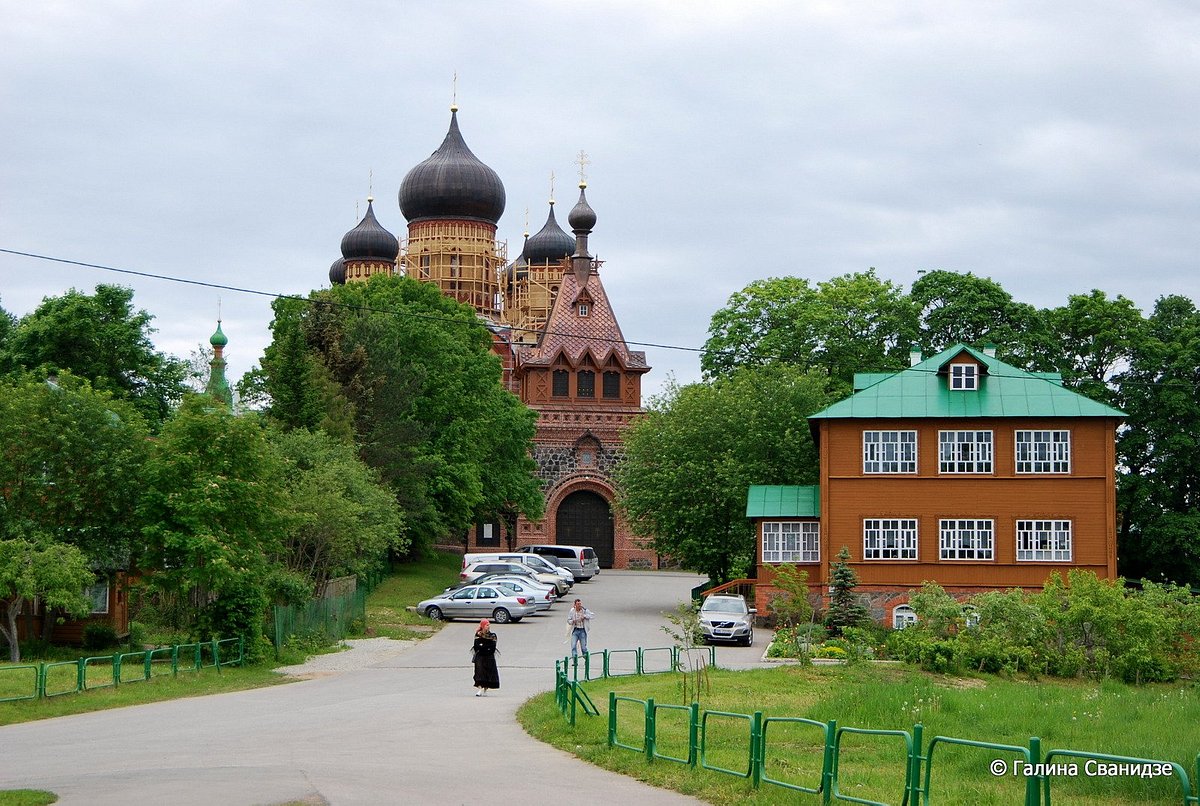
(724, 606)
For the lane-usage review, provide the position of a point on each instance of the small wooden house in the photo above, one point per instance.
(110, 606)
(962, 470)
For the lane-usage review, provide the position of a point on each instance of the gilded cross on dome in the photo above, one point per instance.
(582, 161)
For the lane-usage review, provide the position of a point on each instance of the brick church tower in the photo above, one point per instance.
(552, 325)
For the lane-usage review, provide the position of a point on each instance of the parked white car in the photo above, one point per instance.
(471, 572)
(725, 617)
(479, 601)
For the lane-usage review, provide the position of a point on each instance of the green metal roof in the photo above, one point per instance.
(781, 501)
(1004, 391)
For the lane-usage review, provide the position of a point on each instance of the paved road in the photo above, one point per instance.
(407, 730)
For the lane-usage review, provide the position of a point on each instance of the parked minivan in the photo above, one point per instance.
(545, 565)
(579, 560)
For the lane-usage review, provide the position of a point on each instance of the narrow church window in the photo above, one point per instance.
(454, 259)
(585, 383)
(612, 385)
(559, 383)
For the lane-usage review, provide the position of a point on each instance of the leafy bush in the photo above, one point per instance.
(831, 651)
(99, 636)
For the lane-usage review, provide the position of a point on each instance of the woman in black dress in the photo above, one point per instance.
(483, 652)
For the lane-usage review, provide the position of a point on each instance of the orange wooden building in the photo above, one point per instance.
(110, 606)
(961, 470)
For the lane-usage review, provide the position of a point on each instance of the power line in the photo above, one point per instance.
(365, 308)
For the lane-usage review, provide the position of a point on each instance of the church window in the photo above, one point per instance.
(454, 262)
(585, 383)
(612, 385)
(559, 383)
(583, 309)
(424, 267)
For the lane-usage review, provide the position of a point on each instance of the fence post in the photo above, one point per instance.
(146, 656)
(116, 668)
(1033, 784)
(756, 749)
(612, 718)
(216, 650)
(637, 661)
(693, 733)
(914, 764)
(827, 763)
(650, 730)
(587, 665)
(39, 685)
(573, 692)
(174, 660)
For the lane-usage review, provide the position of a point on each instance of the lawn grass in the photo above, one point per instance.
(387, 616)
(1155, 722)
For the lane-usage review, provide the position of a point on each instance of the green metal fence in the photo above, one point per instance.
(712, 742)
(37, 681)
(332, 616)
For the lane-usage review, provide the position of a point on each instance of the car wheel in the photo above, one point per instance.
(434, 613)
(749, 639)
(501, 616)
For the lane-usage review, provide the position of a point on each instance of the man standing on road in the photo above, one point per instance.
(579, 619)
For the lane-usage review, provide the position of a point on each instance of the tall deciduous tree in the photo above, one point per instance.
(853, 323)
(689, 462)
(70, 467)
(1092, 338)
(215, 509)
(415, 373)
(345, 520)
(102, 338)
(55, 573)
(1159, 482)
(956, 307)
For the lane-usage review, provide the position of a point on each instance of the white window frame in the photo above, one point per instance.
(1044, 540)
(890, 538)
(966, 539)
(791, 542)
(583, 309)
(889, 452)
(1042, 451)
(98, 595)
(964, 377)
(903, 616)
(965, 452)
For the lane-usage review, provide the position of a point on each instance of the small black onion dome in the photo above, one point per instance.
(582, 217)
(337, 272)
(549, 244)
(369, 240)
(452, 183)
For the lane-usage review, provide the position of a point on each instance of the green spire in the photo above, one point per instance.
(217, 385)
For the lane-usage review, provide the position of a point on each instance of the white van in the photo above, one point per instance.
(536, 562)
(579, 560)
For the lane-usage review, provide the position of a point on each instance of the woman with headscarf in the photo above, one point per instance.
(483, 652)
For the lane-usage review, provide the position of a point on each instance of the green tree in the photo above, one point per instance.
(1093, 338)
(101, 338)
(55, 573)
(215, 509)
(691, 459)
(415, 372)
(345, 520)
(8, 324)
(846, 608)
(1158, 485)
(956, 307)
(71, 460)
(852, 323)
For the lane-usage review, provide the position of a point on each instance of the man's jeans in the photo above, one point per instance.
(578, 638)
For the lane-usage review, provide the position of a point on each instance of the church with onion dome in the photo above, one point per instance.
(552, 325)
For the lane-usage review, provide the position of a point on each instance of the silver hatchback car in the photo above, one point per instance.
(725, 617)
(479, 601)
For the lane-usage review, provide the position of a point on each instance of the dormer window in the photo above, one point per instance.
(964, 377)
(583, 309)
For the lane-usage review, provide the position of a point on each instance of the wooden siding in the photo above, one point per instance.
(1086, 496)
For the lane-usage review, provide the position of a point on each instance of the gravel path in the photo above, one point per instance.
(359, 654)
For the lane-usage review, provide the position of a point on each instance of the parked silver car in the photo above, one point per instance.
(475, 570)
(479, 601)
(725, 617)
(543, 595)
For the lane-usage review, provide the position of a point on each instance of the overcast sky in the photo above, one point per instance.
(1054, 147)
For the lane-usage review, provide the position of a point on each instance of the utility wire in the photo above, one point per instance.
(365, 308)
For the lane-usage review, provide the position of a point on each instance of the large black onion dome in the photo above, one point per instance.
(582, 217)
(369, 240)
(337, 272)
(550, 243)
(452, 183)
